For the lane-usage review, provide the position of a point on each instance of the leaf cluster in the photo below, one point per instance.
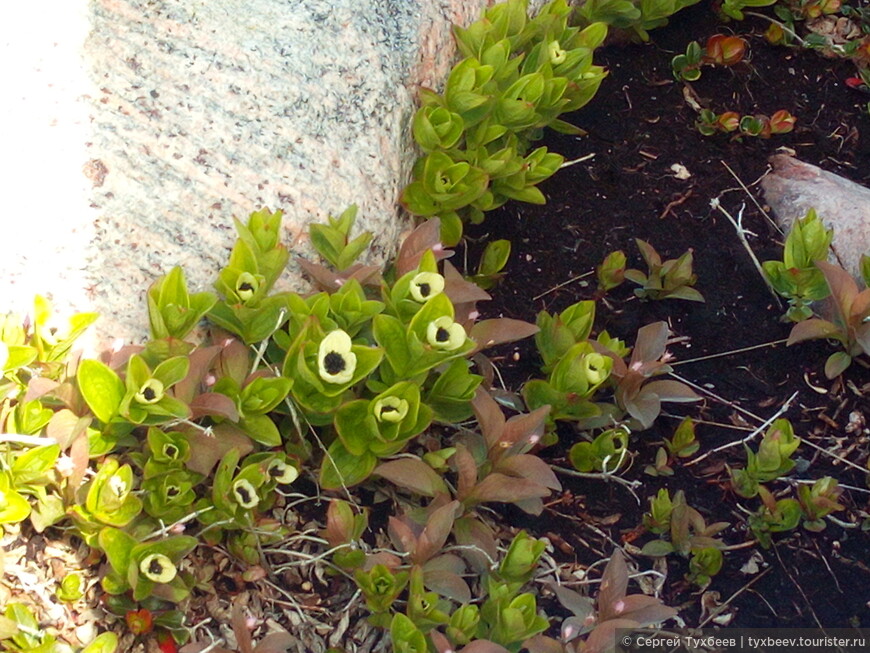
(518, 75)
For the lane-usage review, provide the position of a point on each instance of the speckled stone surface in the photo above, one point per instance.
(140, 127)
(795, 187)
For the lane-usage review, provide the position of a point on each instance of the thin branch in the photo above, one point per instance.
(728, 353)
(751, 196)
(764, 425)
(629, 485)
(564, 283)
(741, 234)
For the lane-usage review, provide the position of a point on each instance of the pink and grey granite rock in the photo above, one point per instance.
(140, 127)
(794, 187)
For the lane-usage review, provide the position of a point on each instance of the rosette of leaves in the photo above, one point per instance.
(773, 516)
(671, 279)
(172, 311)
(324, 366)
(638, 16)
(109, 500)
(599, 620)
(148, 568)
(772, 461)
(571, 385)
(819, 500)
(796, 277)
(238, 495)
(518, 76)
(256, 262)
(259, 395)
(634, 392)
(605, 453)
(30, 474)
(372, 429)
(143, 398)
(845, 319)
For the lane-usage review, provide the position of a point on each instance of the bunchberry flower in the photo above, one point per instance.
(557, 54)
(245, 493)
(246, 286)
(335, 360)
(596, 368)
(425, 285)
(150, 393)
(281, 472)
(390, 409)
(158, 567)
(444, 333)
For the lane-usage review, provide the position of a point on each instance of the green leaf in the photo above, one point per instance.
(118, 546)
(262, 429)
(104, 643)
(101, 388)
(340, 468)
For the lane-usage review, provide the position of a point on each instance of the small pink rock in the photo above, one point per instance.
(794, 187)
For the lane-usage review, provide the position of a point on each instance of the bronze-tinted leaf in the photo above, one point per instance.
(668, 390)
(402, 535)
(530, 467)
(214, 404)
(212, 448)
(650, 343)
(812, 329)
(483, 646)
(447, 584)
(426, 236)
(435, 533)
(466, 469)
(412, 474)
(488, 333)
(489, 416)
(240, 627)
(200, 363)
(523, 428)
(614, 583)
(506, 489)
(543, 644)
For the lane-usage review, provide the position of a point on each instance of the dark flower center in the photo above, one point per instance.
(275, 471)
(425, 289)
(243, 494)
(334, 362)
(442, 335)
(172, 491)
(246, 285)
(171, 450)
(149, 394)
(389, 409)
(155, 568)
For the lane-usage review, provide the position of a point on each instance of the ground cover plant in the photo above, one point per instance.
(371, 460)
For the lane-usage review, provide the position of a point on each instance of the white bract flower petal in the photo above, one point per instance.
(245, 493)
(557, 54)
(158, 567)
(281, 472)
(596, 368)
(390, 409)
(445, 334)
(425, 285)
(150, 393)
(118, 486)
(336, 362)
(246, 286)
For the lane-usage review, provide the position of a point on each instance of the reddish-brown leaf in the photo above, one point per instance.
(489, 416)
(435, 533)
(650, 343)
(506, 489)
(483, 646)
(529, 467)
(614, 583)
(211, 448)
(240, 628)
(214, 404)
(275, 643)
(402, 535)
(812, 329)
(466, 469)
(447, 584)
(526, 428)
(674, 391)
(200, 363)
(412, 474)
(488, 333)
(426, 236)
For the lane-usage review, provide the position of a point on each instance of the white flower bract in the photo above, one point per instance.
(426, 285)
(557, 54)
(281, 472)
(336, 362)
(151, 392)
(391, 409)
(158, 567)
(246, 286)
(245, 493)
(444, 333)
(596, 368)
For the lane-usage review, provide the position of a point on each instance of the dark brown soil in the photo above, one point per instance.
(639, 125)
